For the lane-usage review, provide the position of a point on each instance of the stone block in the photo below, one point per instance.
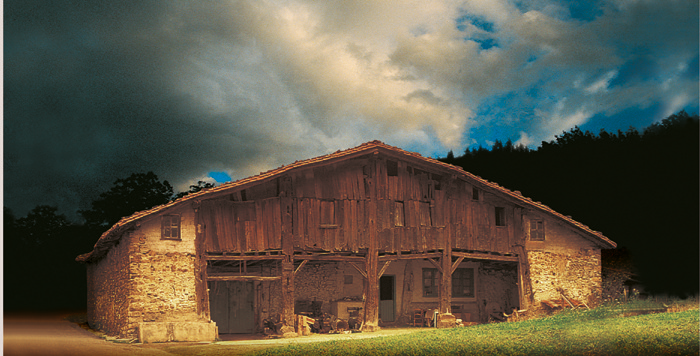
(445, 321)
(194, 331)
(177, 331)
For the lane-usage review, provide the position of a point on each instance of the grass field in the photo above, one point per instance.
(602, 331)
(595, 332)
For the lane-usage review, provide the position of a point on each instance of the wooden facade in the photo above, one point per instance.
(365, 208)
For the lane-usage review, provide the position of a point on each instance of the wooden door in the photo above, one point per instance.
(232, 306)
(387, 297)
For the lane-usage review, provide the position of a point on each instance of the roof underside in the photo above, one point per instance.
(107, 239)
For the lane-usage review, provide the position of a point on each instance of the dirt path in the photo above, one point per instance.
(54, 334)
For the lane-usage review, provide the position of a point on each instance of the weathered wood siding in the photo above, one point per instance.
(241, 226)
(416, 209)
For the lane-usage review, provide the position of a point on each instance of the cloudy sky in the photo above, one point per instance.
(97, 90)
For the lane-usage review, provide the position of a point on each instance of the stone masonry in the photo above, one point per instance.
(577, 273)
(145, 287)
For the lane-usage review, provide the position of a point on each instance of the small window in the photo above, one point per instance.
(500, 216)
(327, 213)
(170, 227)
(399, 215)
(436, 178)
(537, 230)
(463, 283)
(392, 168)
(475, 194)
(430, 282)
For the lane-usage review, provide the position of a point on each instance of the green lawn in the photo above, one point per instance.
(595, 332)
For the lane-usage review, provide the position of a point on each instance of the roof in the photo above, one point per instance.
(105, 241)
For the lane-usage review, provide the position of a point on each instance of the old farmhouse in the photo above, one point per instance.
(373, 233)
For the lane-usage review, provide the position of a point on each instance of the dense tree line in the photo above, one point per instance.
(640, 189)
(40, 272)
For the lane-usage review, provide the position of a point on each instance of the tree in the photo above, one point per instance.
(41, 225)
(140, 191)
(40, 249)
(194, 189)
(640, 189)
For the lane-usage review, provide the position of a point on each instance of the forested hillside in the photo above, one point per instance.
(639, 188)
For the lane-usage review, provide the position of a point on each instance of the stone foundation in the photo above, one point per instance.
(176, 331)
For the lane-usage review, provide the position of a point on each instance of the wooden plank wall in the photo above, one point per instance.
(234, 226)
(431, 201)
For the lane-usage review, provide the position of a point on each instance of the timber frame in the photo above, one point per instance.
(367, 207)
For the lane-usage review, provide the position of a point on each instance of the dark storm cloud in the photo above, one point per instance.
(88, 99)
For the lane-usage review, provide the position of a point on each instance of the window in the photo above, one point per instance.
(500, 216)
(392, 168)
(327, 213)
(463, 283)
(347, 279)
(170, 227)
(537, 230)
(475, 194)
(436, 178)
(399, 216)
(430, 282)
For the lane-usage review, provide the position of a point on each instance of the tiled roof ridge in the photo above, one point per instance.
(104, 238)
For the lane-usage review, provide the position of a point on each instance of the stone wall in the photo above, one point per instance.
(163, 286)
(145, 279)
(109, 286)
(163, 274)
(566, 261)
(319, 282)
(619, 275)
(497, 289)
(577, 273)
(269, 301)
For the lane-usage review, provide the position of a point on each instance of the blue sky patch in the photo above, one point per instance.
(485, 43)
(477, 21)
(220, 177)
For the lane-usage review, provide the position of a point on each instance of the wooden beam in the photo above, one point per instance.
(456, 264)
(243, 258)
(300, 266)
(330, 258)
(416, 256)
(231, 277)
(437, 265)
(381, 272)
(362, 272)
(486, 256)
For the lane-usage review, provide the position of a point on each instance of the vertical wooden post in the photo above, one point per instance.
(371, 320)
(524, 283)
(200, 270)
(287, 250)
(446, 282)
(288, 291)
